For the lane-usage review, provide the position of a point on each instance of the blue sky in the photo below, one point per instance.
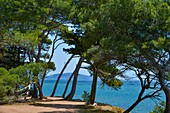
(60, 58)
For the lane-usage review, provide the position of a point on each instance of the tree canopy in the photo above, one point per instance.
(112, 36)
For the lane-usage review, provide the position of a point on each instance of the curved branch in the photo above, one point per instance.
(58, 45)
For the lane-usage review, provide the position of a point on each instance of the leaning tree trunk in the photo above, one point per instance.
(139, 97)
(56, 83)
(52, 54)
(93, 89)
(133, 106)
(166, 91)
(73, 90)
(39, 89)
(38, 57)
(35, 92)
(65, 90)
(43, 77)
(167, 109)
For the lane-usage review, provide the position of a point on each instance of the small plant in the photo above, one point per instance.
(7, 100)
(2, 93)
(85, 97)
(159, 108)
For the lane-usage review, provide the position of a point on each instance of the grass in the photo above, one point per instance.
(100, 109)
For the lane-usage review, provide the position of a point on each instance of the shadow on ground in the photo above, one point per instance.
(56, 112)
(69, 107)
(59, 106)
(93, 110)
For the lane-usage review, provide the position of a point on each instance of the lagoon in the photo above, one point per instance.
(123, 98)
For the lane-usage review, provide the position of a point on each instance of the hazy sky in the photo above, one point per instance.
(60, 58)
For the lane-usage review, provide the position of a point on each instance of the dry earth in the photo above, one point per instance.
(49, 105)
(57, 105)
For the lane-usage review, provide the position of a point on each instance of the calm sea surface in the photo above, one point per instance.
(123, 98)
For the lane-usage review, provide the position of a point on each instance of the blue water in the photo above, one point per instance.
(123, 98)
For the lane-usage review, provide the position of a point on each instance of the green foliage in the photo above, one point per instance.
(112, 82)
(159, 108)
(29, 72)
(85, 96)
(31, 32)
(12, 56)
(51, 66)
(2, 89)
(131, 32)
(127, 35)
(7, 82)
(112, 34)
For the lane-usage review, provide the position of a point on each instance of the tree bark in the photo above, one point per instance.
(93, 89)
(39, 89)
(52, 54)
(43, 77)
(166, 91)
(56, 83)
(41, 44)
(132, 106)
(73, 90)
(137, 101)
(35, 94)
(167, 108)
(65, 90)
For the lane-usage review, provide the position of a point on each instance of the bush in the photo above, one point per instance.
(7, 100)
(7, 82)
(159, 108)
(2, 93)
(85, 97)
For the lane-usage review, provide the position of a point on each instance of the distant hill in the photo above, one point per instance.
(66, 76)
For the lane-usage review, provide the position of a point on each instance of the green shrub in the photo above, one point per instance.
(85, 97)
(2, 93)
(159, 108)
(7, 82)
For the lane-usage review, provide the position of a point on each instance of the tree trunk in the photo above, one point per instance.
(63, 95)
(167, 109)
(56, 83)
(137, 101)
(93, 89)
(34, 95)
(19, 58)
(132, 106)
(166, 91)
(73, 90)
(52, 54)
(40, 44)
(39, 89)
(43, 77)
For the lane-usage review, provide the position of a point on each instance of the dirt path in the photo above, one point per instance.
(49, 105)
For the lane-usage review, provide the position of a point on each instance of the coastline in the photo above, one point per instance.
(56, 105)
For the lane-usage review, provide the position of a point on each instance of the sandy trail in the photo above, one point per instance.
(49, 105)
